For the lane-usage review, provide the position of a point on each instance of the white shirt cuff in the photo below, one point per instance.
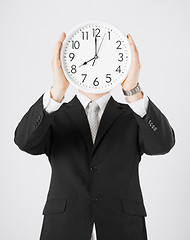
(140, 106)
(49, 104)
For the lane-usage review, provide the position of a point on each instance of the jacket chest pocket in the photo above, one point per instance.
(55, 206)
(133, 207)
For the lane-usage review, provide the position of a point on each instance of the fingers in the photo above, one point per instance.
(57, 48)
(62, 37)
(133, 46)
(135, 53)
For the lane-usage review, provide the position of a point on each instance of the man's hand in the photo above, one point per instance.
(61, 84)
(133, 75)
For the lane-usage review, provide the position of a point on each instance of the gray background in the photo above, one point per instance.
(29, 31)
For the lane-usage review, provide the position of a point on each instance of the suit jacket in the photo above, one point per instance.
(94, 183)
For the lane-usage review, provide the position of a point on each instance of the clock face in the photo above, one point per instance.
(95, 57)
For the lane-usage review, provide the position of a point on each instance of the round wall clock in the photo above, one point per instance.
(95, 57)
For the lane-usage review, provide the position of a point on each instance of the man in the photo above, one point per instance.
(94, 145)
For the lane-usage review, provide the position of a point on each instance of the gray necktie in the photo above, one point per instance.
(94, 123)
(93, 118)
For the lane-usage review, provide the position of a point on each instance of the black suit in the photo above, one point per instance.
(94, 183)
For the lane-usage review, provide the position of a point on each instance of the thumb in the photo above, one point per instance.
(62, 37)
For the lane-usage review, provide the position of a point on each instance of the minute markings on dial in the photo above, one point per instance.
(120, 57)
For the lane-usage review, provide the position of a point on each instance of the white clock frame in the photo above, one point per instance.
(121, 76)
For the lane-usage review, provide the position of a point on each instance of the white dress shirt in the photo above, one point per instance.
(140, 107)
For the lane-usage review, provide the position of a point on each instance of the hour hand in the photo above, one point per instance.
(87, 61)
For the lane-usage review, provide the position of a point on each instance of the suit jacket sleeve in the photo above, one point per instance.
(155, 134)
(140, 106)
(33, 132)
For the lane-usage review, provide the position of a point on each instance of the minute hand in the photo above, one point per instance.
(96, 53)
(95, 56)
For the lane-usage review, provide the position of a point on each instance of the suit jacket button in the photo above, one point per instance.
(94, 168)
(94, 199)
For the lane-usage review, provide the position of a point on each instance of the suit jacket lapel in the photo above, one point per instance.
(111, 112)
(76, 112)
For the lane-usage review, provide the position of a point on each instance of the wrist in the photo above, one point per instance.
(129, 87)
(57, 93)
(135, 97)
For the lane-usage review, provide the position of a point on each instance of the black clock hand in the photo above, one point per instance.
(95, 45)
(98, 50)
(95, 51)
(87, 61)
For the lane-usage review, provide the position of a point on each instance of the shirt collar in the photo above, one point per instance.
(102, 101)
